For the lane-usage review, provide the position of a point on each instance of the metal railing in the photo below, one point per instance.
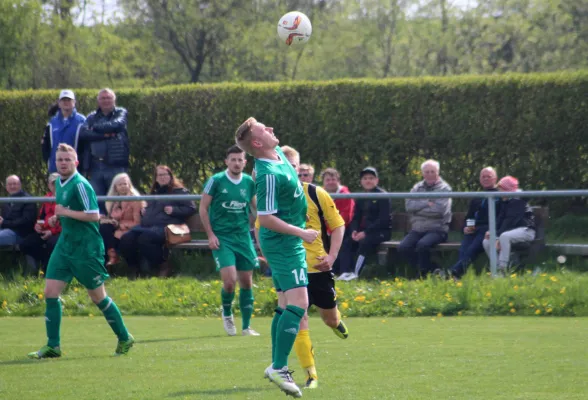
(425, 195)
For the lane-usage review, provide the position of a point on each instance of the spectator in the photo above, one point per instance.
(40, 244)
(429, 219)
(63, 127)
(306, 173)
(107, 147)
(332, 184)
(515, 223)
(370, 227)
(17, 220)
(121, 216)
(147, 240)
(475, 225)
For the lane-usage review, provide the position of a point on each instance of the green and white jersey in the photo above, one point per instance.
(77, 194)
(229, 209)
(279, 192)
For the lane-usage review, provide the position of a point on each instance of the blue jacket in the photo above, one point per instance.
(60, 130)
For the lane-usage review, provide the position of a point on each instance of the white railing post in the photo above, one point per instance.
(492, 229)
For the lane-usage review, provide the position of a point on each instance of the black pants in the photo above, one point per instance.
(416, 247)
(143, 243)
(361, 249)
(32, 245)
(107, 232)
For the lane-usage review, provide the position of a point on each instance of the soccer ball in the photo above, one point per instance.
(294, 28)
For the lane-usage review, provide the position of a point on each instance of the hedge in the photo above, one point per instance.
(530, 126)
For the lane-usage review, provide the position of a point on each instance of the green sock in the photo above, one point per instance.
(287, 330)
(53, 321)
(114, 318)
(246, 306)
(279, 311)
(227, 302)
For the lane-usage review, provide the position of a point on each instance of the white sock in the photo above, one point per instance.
(359, 264)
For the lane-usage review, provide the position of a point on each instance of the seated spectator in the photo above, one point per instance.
(143, 247)
(121, 216)
(17, 220)
(429, 219)
(40, 244)
(332, 184)
(370, 227)
(475, 225)
(515, 223)
(306, 173)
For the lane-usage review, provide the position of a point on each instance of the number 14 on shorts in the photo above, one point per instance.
(299, 275)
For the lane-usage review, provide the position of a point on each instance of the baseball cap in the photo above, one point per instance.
(368, 170)
(69, 94)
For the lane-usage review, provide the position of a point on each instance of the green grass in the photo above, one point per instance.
(400, 358)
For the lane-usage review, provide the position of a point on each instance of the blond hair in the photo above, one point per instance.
(243, 134)
(113, 192)
(307, 167)
(66, 148)
(290, 153)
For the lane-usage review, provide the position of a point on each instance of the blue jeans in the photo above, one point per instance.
(416, 247)
(471, 247)
(101, 175)
(9, 238)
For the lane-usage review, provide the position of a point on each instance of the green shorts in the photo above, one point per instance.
(235, 250)
(288, 264)
(84, 263)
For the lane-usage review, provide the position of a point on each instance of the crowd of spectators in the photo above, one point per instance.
(136, 229)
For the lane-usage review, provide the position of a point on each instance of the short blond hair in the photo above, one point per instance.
(66, 148)
(243, 134)
(307, 167)
(290, 152)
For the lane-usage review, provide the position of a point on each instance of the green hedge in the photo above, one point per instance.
(530, 126)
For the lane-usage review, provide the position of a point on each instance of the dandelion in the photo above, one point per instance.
(439, 315)
(4, 304)
(273, 290)
(511, 304)
(180, 299)
(447, 295)
(91, 315)
(25, 286)
(345, 305)
(360, 299)
(537, 311)
(544, 304)
(563, 290)
(159, 294)
(459, 313)
(549, 310)
(514, 275)
(205, 305)
(124, 296)
(459, 284)
(419, 310)
(553, 279)
(383, 321)
(516, 287)
(75, 289)
(512, 310)
(488, 294)
(396, 280)
(262, 291)
(544, 274)
(40, 296)
(41, 272)
(400, 303)
(399, 284)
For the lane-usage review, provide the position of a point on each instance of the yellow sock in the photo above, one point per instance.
(303, 348)
(338, 316)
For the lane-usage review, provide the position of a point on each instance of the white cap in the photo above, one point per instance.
(67, 94)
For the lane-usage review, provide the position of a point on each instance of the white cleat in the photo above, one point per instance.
(344, 276)
(350, 277)
(250, 332)
(283, 379)
(229, 325)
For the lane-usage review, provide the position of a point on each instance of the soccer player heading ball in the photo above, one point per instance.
(282, 210)
(79, 253)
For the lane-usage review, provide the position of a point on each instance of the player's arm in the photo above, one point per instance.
(275, 224)
(213, 242)
(87, 198)
(84, 216)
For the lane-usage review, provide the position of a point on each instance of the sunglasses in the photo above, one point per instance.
(303, 175)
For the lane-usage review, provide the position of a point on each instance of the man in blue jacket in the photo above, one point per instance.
(63, 127)
(107, 143)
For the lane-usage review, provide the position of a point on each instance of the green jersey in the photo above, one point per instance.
(279, 192)
(229, 209)
(77, 194)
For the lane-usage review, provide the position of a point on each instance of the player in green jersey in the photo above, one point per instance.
(224, 212)
(281, 206)
(79, 253)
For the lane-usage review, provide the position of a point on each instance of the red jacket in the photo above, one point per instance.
(47, 211)
(345, 206)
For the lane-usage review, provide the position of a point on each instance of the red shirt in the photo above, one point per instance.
(345, 206)
(46, 212)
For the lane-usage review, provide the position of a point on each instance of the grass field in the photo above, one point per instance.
(394, 358)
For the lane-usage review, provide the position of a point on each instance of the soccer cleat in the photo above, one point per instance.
(350, 276)
(344, 276)
(229, 325)
(250, 332)
(45, 352)
(311, 383)
(123, 347)
(341, 330)
(283, 379)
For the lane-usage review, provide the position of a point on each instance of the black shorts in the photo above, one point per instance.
(321, 290)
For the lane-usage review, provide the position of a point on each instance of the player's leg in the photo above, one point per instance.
(113, 317)
(324, 298)
(305, 353)
(246, 300)
(229, 277)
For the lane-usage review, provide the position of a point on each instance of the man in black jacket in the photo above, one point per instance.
(106, 143)
(370, 227)
(17, 219)
(476, 224)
